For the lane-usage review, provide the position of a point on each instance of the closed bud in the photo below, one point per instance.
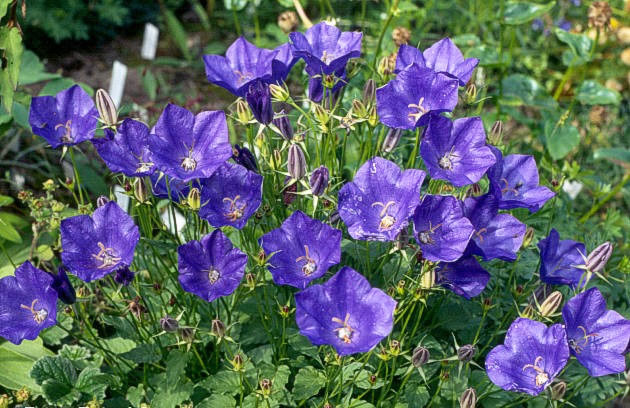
(288, 21)
(386, 65)
(188, 334)
(358, 109)
(237, 363)
(551, 304)
(101, 201)
(372, 379)
(169, 324)
(320, 113)
(283, 123)
(466, 353)
(243, 114)
(218, 328)
(527, 239)
(428, 279)
(259, 100)
(558, 390)
(124, 276)
(279, 93)
(106, 108)
(140, 190)
(250, 280)
(471, 93)
(391, 140)
(265, 387)
(496, 133)
(319, 180)
(373, 116)
(194, 199)
(597, 259)
(394, 347)
(468, 399)
(369, 92)
(528, 312)
(420, 356)
(285, 311)
(296, 164)
(61, 284)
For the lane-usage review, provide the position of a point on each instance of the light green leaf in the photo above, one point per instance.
(92, 382)
(149, 83)
(593, 93)
(4, 5)
(225, 382)
(561, 139)
(11, 46)
(178, 33)
(5, 200)
(17, 362)
(217, 400)
(144, 353)
(616, 154)
(9, 233)
(308, 382)
(579, 44)
(521, 12)
(32, 70)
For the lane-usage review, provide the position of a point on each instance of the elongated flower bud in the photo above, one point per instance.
(259, 100)
(101, 201)
(169, 324)
(466, 353)
(391, 140)
(140, 190)
(279, 93)
(244, 157)
(428, 279)
(296, 164)
(358, 109)
(61, 284)
(283, 123)
(527, 239)
(319, 180)
(551, 304)
(194, 199)
(420, 356)
(558, 390)
(369, 92)
(218, 328)
(243, 113)
(106, 108)
(597, 259)
(496, 133)
(468, 398)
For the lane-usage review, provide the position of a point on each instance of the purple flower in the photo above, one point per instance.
(178, 188)
(514, 180)
(319, 180)
(496, 235)
(325, 48)
(563, 24)
(465, 277)
(28, 304)
(259, 100)
(94, 246)
(316, 87)
(212, 267)
(562, 262)
(187, 146)
(244, 157)
(441, 229)
(597, 337)
(443, 56)
(530, 358)
(128, 152)
(230, 196)
(377, 204)
(65, 119)
(244, 64)
(124, 276)
(537, 24)
(407, 101)
(61, 284)
(345, 312)
(456, 151)
(301, 250)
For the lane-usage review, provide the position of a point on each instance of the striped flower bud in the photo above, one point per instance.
(551, 304)
(283, 124)
(140, 190)
(319, 180)
(101, 201)
(597, 259)
(527, 239)
(369, 92)
(296, 164)
(558, 390)
(169, 324)
(106, 108)
(420, 356)
(496, 133)
(468, 399)
(391, 140)
(194, 199)
(466, 353)
(279, 93)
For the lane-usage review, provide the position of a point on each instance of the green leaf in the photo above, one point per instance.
(561, 139)
(12, 48)
(178, 33)
(521, 12)
(9, 233)
(615, 154)
(150, 84)
(4, 5)
(135, 395)
(172, 398)
(17, 362)
(521, 89)
(58, 368)
(175, 368)
(487, 55)
(59, 393)
(593, 93)
(225, 382)
(308, 382)
(32, 70)
(217, 400)
(579, 44)
(73, 352)
(5, 200)
(144, 353)
(56, 85)
(416, 395)
(92, 382)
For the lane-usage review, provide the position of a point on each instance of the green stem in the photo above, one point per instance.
(607, 198)
(390, 16)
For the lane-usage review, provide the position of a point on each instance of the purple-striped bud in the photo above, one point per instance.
(319, 180)
(420, 356)
(283, 123)
(466, 353)
(169, 324)
(124, 276)
(468, 399)
(369, 92)
(259, 100)
(101, 201)
(296, 165)
(106, 108)
(244, 157)
(597, 259)
(391, 140)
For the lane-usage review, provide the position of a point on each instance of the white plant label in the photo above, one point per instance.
(149, 41)
(117, 83)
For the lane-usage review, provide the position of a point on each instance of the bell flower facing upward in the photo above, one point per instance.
(514, 180)
(345, 313)
(443, 56)
(597, 336)
(187, 146)
(377, 204)
(301, 250)
(128, 151)
(441, 229)
(230, 196)
(408, 101)
(562, 261)
(65, 119)
(456, 150)
(28, 303)
(496, 235)
(530, 358)
(212, 267)
(94, 246)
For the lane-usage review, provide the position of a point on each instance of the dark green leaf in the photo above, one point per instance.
(144, 353)
(92, 382)
(593, 93)
(32, 70)
(175, 368)
(225, 382)
(521, 12)
(59, 393)
(218, 400)
(521, 89)
(57, 368)
(308, 382)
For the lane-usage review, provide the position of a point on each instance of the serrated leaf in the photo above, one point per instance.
(521, 12)
(593, 93)
(135, 395)
(17, 362)
(92, 382)
(308, 382)
(57, 368)
(175, 368)
(144, 353)
(225, 382)
(172, 398)
(59, 393)
(73, 352)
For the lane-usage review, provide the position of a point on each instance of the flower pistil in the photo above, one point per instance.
(387, 221)
(106, 256)
(38, 315)
(541, 376)
(344, 332)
